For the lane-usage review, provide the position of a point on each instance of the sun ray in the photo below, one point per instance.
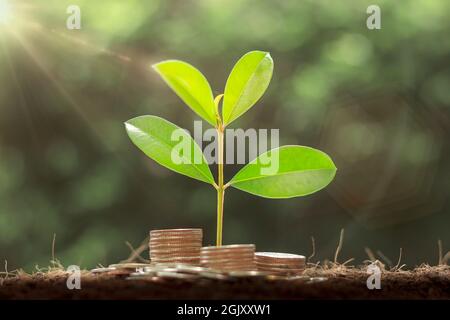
(22, 100)
(33, 53)
(6, 13)
(24, 26)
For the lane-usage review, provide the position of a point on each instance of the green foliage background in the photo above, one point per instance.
(376, 101)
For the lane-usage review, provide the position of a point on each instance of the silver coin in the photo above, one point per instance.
(230, 247)
(128, 265)
(144, 277)
(278, 257)
(298, 278)
(142, 274)
(213, 275)
(190, 269)
(175, 275)
(103, 270)
(247, 274)
(176, 232)
(168, 269)
(317, 279)
(159, 266)
(228, 261)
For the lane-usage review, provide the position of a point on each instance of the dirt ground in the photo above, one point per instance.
(341, 283)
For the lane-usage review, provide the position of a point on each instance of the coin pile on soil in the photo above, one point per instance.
(238, 257)
(176, 246)
(119, 269)
(282, 264)
(163, 272)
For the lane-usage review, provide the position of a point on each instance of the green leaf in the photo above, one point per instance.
(301, 171)
(190, 85)
(247, 82)
(154, 136)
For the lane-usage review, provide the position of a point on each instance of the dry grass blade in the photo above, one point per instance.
(55, 263)
(313, 265)
(440, 252)
(136, 253)
(53, 246)
(370, 254)
(348, 261)
(385, 258)
(398, 267)
(6, 273)
(446, 258)
(339, 247)
(313, 242)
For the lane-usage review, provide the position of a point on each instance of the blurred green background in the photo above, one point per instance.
(377, 101)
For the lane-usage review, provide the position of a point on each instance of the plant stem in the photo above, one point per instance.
(220, 186)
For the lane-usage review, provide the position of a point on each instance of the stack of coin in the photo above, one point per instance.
(283, 264)
(176, 246)
(238, 257)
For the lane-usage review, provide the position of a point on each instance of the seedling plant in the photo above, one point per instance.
(301, 170)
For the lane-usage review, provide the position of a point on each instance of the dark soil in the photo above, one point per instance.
(341, 283)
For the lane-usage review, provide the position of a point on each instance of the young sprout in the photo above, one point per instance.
(301, 170)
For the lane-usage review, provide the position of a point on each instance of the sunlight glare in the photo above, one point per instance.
(5, 12)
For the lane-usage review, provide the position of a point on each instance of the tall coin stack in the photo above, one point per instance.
(283, 264)
(176, 246)
(238, 257)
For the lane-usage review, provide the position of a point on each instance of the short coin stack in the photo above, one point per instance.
(238, 257)
(176, 246)
(283, 264)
